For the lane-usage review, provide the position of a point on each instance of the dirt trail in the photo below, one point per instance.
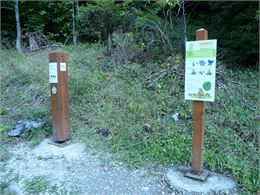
(76, 171)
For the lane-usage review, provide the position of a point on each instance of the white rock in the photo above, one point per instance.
(145, 189)
(175, 116)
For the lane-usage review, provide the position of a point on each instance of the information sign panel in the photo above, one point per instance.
(200, 70)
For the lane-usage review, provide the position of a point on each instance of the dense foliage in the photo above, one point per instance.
(235, 26)
(160, 27)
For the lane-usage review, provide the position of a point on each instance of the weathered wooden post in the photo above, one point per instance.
(199, 122)
(200, 68)
(58, 76)
(200, 74)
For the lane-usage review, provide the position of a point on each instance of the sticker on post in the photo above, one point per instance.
(53, 72)
(54, 90)
(62, 66)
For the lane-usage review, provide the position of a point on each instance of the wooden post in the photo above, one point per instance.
(58, 67)
(199, 123)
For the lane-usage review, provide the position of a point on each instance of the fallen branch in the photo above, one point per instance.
(252, 108)
(43, 47)
(160, 76)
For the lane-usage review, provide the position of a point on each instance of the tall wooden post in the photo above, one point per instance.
(58, 73)
(199, 123)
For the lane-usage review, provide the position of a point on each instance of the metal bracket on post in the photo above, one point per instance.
(58, 75)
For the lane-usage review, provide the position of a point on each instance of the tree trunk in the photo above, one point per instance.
(109, 44)
(75, 21)
(184, 24)
(18, 27)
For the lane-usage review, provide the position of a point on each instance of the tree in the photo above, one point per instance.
(156, 22)
(103, 17)
(182, 20)
(18, 27)
(233, 24)
(8, 34)
(75, 8)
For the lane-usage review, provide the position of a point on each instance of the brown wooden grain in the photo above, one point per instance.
(199, 123)
(60, 100)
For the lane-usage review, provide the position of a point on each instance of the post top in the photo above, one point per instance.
(57, 52)
(201, 34)
(201, 29)
(55, 56)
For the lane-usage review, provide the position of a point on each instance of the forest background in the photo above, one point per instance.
(126, 64)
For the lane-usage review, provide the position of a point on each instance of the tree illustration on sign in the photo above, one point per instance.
(207, 86)
(209, 72)
(190, 48)
(193, 72)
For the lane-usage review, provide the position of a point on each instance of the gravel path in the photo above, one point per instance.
(77, 171)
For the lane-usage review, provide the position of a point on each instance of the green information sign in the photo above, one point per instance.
(200, 70)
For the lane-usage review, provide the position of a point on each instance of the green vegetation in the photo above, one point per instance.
(234, 25)
(36, 184)
(4, 189)
(123, 97)
(36, 136)
(39, 184)
(5, 186)
(127, 71)
(162, 26)
(4, 154)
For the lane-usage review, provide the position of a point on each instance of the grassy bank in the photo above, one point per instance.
(125, 97)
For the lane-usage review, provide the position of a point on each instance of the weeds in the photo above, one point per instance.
(5, 186)
(4, 189)
(39, 184)
(36, 185)
(4, 153)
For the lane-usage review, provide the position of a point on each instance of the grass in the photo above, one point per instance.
(124, 97)
(4, 154)
(40, 184)
(36, 185)
(4, 188)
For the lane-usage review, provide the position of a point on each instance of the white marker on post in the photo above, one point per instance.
(53, 72)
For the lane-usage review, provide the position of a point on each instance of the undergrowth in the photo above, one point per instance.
(125, 97)
(41, 185)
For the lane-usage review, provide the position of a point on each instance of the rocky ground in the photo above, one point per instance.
(50, 169)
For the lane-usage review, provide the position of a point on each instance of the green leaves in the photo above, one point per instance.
(238, 36)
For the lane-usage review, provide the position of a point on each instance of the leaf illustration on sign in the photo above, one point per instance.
(207, 86)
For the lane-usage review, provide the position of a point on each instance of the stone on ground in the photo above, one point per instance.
(25, 125)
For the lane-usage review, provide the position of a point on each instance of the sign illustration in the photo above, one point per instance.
(200, 70)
